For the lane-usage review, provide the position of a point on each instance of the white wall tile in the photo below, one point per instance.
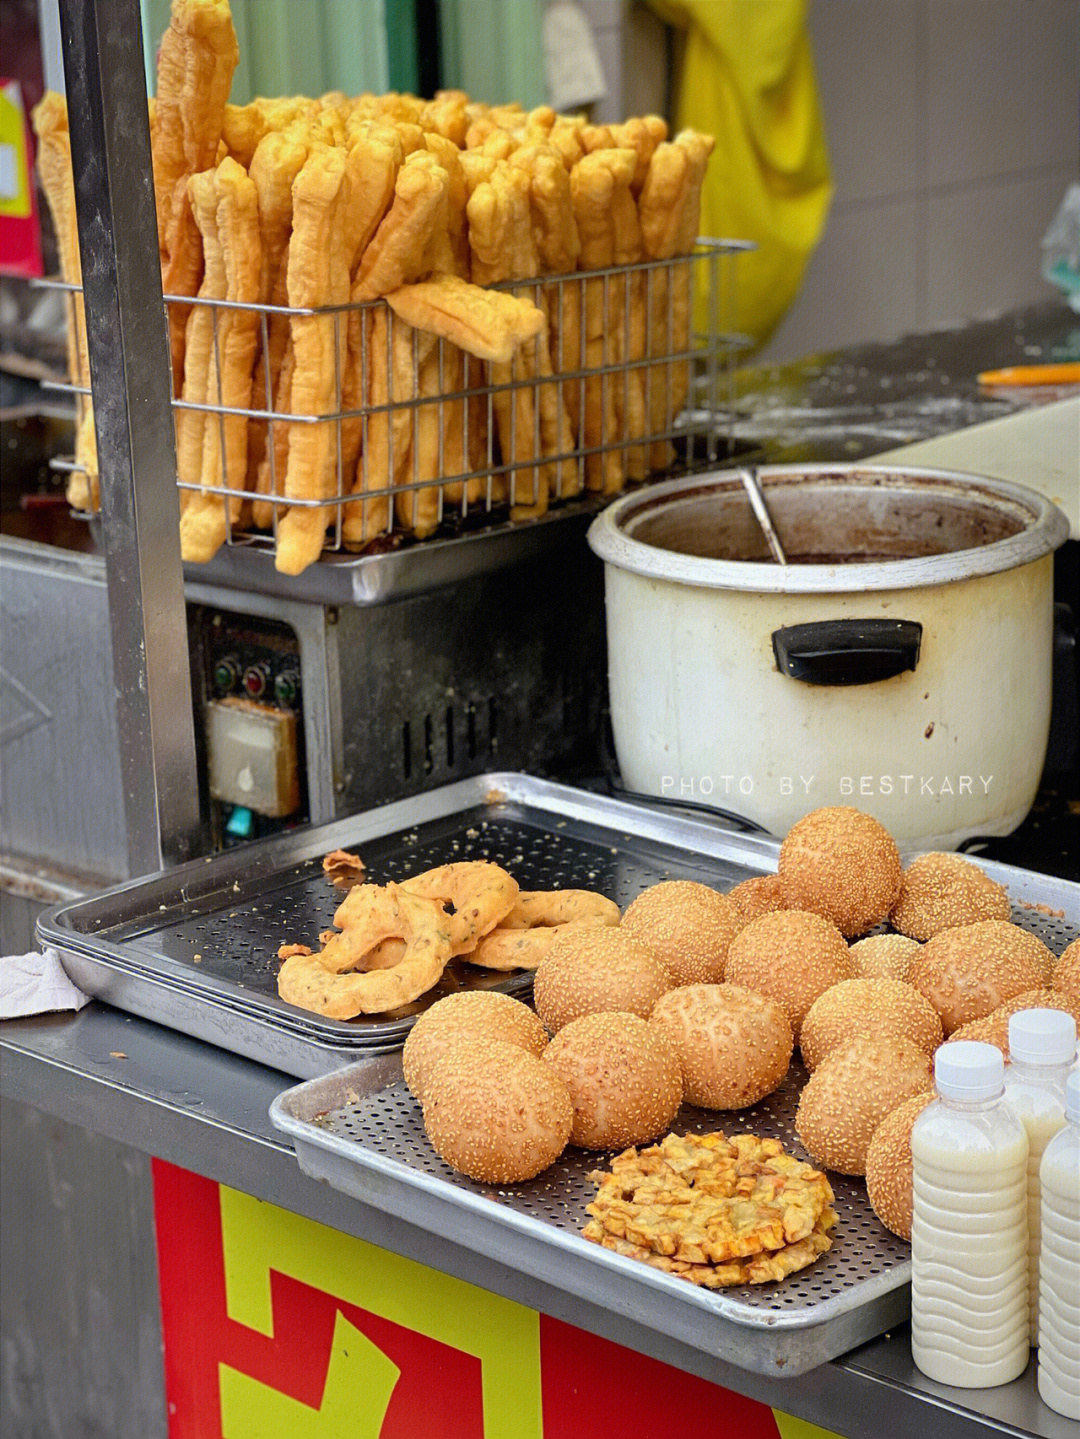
(604, 13)
(609, 45)
(645, 63)
(865, 282)
(870, 62)
(982, 244)
(1003, 87)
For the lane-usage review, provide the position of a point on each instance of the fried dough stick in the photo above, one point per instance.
(445, 115)
(642, 135)
(375, 157)
(489, 324)
(371, 165)
(199, 340)
(318, 275)
(500, 236)
(594, 183)
(196, 62)
(627, 297)
(244, 127)
(54, 166)
(270, 472)
(537, 411)
(274, 167)
(467, 321)
(669, 207)
(448, 438)
(558, 247)
(398, 253)
(203, 525)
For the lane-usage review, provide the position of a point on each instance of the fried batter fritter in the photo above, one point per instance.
(761, 1269)
(707, 1200)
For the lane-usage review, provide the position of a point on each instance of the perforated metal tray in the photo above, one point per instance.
(195, 947)
(361, 1131)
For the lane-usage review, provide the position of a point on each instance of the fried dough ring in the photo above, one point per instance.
(548, 907)
(306, 981)
(523, 938)
(370, 927)
(482, 894)
(504, 949)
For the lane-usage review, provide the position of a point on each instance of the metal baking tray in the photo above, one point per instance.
(361, 1131)
(195, 947)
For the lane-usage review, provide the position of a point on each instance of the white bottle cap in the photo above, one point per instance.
(1042, 1036)
(969, 1071)
(1072, 1096)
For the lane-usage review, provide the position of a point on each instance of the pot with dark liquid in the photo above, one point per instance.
(900, 662)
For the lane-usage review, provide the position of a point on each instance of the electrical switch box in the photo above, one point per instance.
(252, 758)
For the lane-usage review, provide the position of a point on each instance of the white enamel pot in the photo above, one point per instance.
(901, 663)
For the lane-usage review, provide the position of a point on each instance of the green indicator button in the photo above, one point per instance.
(225, 675)
(286, 687)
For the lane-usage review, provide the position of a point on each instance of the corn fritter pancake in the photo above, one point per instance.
(709, 1200)
(761, 1269)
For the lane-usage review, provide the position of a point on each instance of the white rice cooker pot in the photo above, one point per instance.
(900, 663)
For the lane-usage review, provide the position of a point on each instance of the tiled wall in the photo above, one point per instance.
(954, 127)
(632, 46)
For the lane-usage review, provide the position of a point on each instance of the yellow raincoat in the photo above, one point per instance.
(747, 77)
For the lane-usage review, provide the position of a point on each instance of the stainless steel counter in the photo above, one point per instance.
(155, 1092)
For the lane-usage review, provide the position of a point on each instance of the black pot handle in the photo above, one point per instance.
(847, 652)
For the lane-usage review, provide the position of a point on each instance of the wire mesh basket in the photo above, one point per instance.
(406, 435)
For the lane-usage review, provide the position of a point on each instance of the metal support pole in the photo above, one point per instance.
(130, 376)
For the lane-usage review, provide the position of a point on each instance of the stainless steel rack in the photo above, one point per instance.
(365, 508)
(128, 352)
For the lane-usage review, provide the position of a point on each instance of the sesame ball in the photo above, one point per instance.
(761, 894)
(495, 1112)
(470, 1014)
(941, 891)
(889, 1166)
(884, 956)
(849, 1095)
(865, 1007)
(587, 971)
(1066, 976)
(623, 1077)
(967, 972)
(792, 957)
(734, 1045)
(994, 1028)
(688, 926)
(843, 864)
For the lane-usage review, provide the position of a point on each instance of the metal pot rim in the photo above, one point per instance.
(1045, 528)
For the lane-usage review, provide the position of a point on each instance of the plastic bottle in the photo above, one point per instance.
(1042, 1047)
(1059, 1267)
(970, 1323)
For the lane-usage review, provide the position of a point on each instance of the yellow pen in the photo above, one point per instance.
(1063, 374)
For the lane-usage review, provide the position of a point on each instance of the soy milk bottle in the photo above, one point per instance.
(1042, 1047)
(1059, 1266)
(970, 1323)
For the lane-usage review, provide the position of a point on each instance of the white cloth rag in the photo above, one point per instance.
(36, 984)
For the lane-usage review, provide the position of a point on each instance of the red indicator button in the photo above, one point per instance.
(255, 679)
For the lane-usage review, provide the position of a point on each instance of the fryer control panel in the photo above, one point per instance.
(249, 725)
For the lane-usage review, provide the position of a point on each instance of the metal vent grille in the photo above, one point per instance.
(454, 738)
